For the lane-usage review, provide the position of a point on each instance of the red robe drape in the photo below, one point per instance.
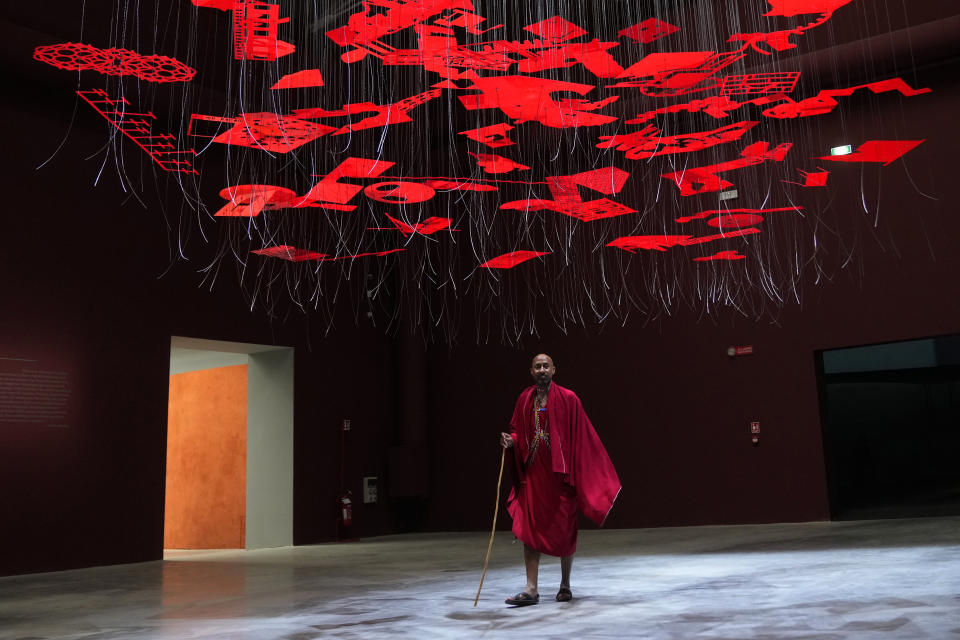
(584, 477)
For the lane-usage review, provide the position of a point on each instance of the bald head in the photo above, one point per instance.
(542, 370)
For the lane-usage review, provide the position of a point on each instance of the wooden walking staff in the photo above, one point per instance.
(496, 509)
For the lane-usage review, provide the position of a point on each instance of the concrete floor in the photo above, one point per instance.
(872, 579)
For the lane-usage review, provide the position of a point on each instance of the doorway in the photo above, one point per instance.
(891, 428)
(229, 470)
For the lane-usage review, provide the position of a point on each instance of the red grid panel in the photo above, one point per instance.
(754, 84)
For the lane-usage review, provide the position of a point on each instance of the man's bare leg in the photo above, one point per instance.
(564, 594)
(565, 565)
(531, 561)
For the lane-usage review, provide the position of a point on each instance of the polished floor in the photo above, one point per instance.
(890, 579)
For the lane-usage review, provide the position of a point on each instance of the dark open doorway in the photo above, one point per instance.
(891, 428)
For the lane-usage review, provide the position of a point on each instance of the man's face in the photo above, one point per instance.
(542, 369)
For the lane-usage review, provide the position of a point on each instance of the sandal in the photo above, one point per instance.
(564, 595)
(523, 599)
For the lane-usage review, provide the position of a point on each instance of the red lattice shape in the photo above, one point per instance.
(157, 68)
(71, 56)
(754, 84)
(76, 56)
(255, 27)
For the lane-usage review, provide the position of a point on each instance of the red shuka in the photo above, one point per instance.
(575, 471)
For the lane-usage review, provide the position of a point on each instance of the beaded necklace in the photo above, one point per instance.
(539, 434)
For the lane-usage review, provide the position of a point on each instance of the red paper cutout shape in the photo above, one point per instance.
(512, 259)
(811, 178)
(305, 78)
(330, 190)
(780, 40)
(704, 179)
(735, 220)
(328, 193)
(76, 56)
(678, 73)
(271, 132)
(648, 31)
(567, 200)
(592, 55)
(248, 200)
(162, 148)
(715, 106)
(791, 8)
(439, 51)
(655, 63)
(724, 212)
(194, 129)
(291, 254)
(663, 242)
(492, 163)
(493, 136)
(427, 227)
(458, 185)
(721, 255)
(526, 98)
(823, 102)
(554, 53)
(555, 28)
(759, 83)
(649, 243)
(647, 142)
(223, 5)
(255, 27)
(384, 17)
(465, 19)
(885, 151)
(386, 115)
(399, 192)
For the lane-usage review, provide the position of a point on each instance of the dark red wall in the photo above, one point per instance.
(85, 281)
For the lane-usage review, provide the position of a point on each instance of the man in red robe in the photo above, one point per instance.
(562, 467)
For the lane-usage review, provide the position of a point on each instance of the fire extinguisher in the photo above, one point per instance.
(346, 509)
(345, 518)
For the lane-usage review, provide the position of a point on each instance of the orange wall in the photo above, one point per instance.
(207, 460)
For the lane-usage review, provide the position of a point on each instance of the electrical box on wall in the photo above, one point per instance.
(370, 490)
